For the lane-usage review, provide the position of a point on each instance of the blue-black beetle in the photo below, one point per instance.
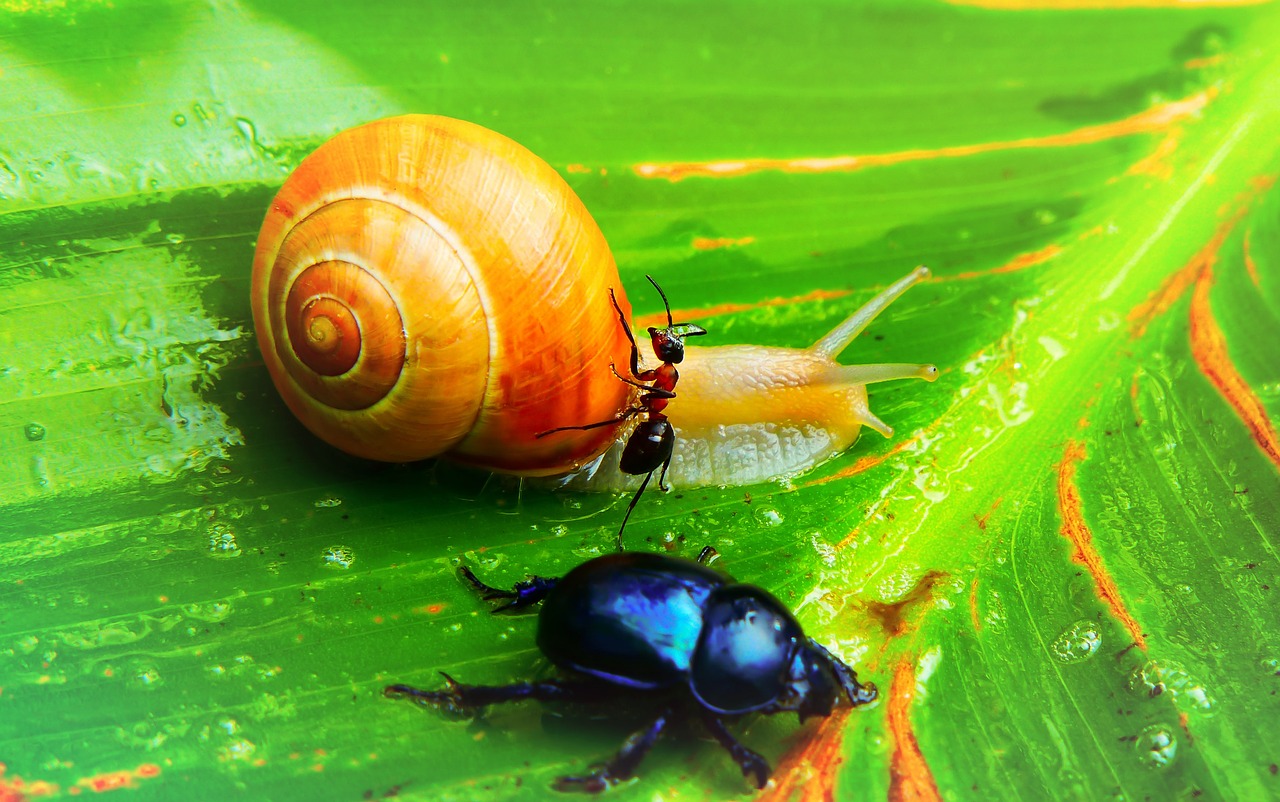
(670, 629)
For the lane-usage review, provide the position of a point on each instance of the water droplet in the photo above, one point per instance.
(175, 238)
(1153, 679)
(1156, 746)
(222, 541)
(250, 134)
(144, 735)
(338, 557)
(147, 676)
(559, 530)
(179, 120)
(328, 501)
(211, 612)
(767, 516)
(34, 432)
(1076, 643)
(239, 749)
(40, 471)
(1046, 216)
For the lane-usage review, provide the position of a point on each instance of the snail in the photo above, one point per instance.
(423, 286)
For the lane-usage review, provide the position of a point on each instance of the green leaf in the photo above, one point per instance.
(1061, 570)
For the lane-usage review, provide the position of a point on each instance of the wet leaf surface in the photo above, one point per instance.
(1061, 570)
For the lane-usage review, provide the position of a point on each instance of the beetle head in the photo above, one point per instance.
(816, 681)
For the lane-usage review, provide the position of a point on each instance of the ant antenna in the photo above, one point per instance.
(670, 323)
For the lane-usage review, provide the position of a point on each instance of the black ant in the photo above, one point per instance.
(651, 443)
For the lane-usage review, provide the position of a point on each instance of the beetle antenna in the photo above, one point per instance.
(670, 323)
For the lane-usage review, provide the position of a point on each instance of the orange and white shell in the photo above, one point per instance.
(425, 286)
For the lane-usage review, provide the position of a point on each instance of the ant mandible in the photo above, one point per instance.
(651, 443)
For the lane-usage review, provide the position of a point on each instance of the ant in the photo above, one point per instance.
(651, 443)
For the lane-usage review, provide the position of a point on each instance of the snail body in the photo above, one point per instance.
(749, 413)
(423, 286)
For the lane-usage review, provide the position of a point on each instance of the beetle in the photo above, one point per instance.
(674, 632)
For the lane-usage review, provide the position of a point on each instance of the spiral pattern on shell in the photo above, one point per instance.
(423, 285)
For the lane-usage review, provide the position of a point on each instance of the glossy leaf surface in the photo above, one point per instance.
(1061, 571)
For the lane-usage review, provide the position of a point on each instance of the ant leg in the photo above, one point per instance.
(708, 555)
(524, 594)
(626, 328)
(622, 765)
(631, 507)
(662, 477)
(458, 698)
(626, 416)
(646, 376)
(747, 760)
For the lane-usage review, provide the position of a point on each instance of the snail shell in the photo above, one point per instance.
(425, 286)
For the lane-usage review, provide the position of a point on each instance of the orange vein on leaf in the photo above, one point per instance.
(1156, 118)
(910, 779)
(1209, 347)
(1084, 553)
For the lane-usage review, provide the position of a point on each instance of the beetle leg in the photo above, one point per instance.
(459, 698)
(750, 762)
(632, 506)
(524, 594)
(622, 765)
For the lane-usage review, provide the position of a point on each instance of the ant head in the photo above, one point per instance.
(668, 343)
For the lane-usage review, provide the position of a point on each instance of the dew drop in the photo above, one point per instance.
(211, 612)
(767, 516)
(175, 238)
(338, 557)
(40, 471)
(559, 530)
(147, 676)
(1154, 678)
(1156, 746)
(34, 432)
(222, 541)
(1076, 643)
(179, 120)
(239, 749)
(328, 502)
(144, 735)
